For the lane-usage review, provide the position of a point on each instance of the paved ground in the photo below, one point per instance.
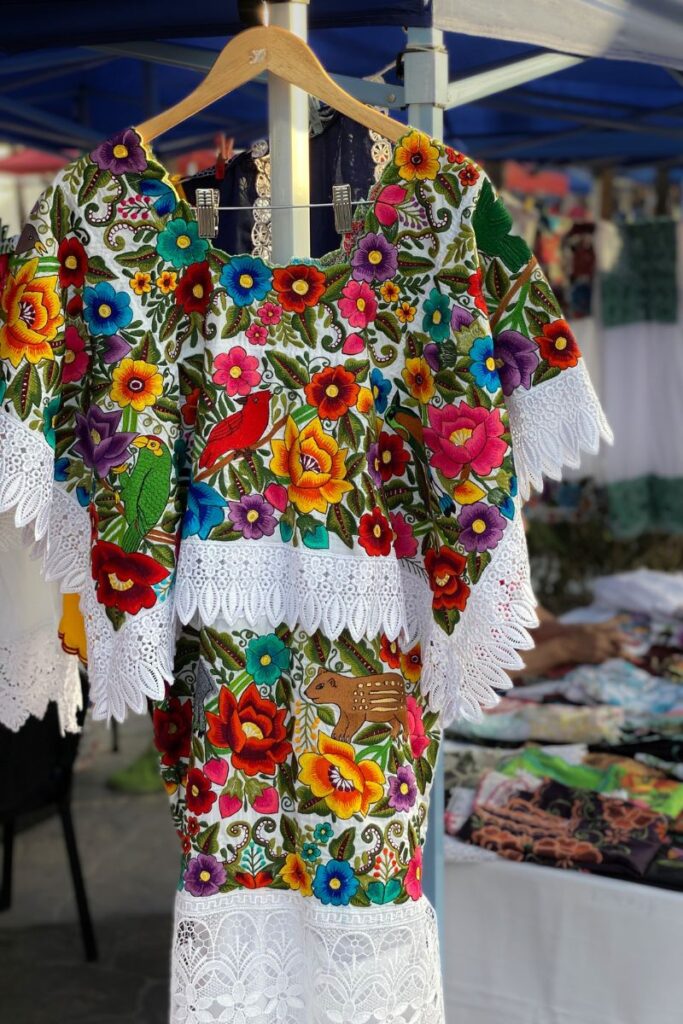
(130, 859)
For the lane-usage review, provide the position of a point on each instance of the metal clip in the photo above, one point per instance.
(207, 200)
(341, 202)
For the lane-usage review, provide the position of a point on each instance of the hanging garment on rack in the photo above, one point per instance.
(289, 499)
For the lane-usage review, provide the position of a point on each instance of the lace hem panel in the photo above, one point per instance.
(463, 672)
(330, 592)
(34, 670)
(277, 959)
(552, 424)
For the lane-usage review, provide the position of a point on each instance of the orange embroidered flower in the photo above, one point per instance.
(469, 175)
(389, 291)
(32, 315)
(298, 286)
(348, 788)
(167, 281)
(365, 400)
(296, 876)
(418, 377)
(141, 282)
(314, 463)
(445, 569)
(332, 392)
(411, 663)
(558, 344)
(136, 383)
(416, 157)
(406, 312)
(389, 652)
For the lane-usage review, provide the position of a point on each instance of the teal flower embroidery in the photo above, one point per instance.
(437, 318)
(323, 832)
(180, 244)
(49, 413)
(267, 659)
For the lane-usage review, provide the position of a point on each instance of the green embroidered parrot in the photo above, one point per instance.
(492, 224)
(145, 489)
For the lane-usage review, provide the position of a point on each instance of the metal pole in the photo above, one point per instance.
(288, 132)
(426, 94)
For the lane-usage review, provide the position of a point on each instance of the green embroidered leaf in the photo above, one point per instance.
(397, 494)
(449, 384)
(98, 271)
(350, 430)
(456, 278)
(283, 691)
(93, 178)
(310, 804)
(541, 295)
(290, 833)
(423, 773)
(164, 556)
(360, 898)
(355, 502)
(253, 789)
(389, 325)
(536, 319)
(375, 732)
(317, 648)
(447, 618)
(290, 370)
(198, 749)
(24, 391)
(497, 281)
(170, 322)
(226, 649)
(234, 787)
(286, 780)
(545, 372)
(356, 656)
(138, 259)
(382, 809)
(342, 847)
(59, 215)
(235, 320)
(207, 841)
(354, 464)
(358, 367)
(336, 278)
(411, 263)
(305, 325)
(326, 715)
(342, 523)
(447, 185)
(116, 617)
(167, 410)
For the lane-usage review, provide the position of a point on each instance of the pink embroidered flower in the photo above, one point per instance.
(257, 334)
(236, 371)
(405, 544)
(413, 882)
(359, 305)
(269, 313)
(76, 358)
(465, 436)
(387, 201)
(419, 741)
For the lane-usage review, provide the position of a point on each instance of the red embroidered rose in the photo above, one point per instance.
(253, 729)
(465, 436)
(332, 391)
(474, 288)
(558, 344)
(375, 533)
(123, 580)
(193, 292)
(173, 730)
(199, 796)
(73, 263)
(445, 568)
(298, 286)
(391, 457)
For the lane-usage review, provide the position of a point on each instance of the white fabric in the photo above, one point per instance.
(649, 591)
(650, 31)
(531, 945)
(278, 958)
(34, 669)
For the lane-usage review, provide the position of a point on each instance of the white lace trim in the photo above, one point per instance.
(26, 476)
(331, 591)
(552, 424)
(34, 670)
(462, 672)
(276, 958)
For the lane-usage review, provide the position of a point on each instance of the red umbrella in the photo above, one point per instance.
(32, 161)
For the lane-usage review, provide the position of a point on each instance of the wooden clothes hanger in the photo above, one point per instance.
(284, 54)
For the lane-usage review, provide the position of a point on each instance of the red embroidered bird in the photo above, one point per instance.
(240, 430)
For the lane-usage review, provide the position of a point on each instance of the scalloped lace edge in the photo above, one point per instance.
(277, 958)
(552, 424)
(34, 671)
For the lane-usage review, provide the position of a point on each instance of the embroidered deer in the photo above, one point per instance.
(361, 699)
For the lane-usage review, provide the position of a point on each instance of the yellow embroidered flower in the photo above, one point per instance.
(314, 463)
(136, 383)
(141, 282)
(417, 158)
(406, 312)
(411, 663)
(365, 400)
(389, 291)
(296, 876)
(32, 316)
(418, 377)
(467, 493)
(348, 788)
(167, 281)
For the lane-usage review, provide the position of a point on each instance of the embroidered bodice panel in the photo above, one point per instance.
(339, 444)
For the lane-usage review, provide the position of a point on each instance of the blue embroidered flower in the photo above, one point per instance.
(105, 310)
(180, 244)
(61, 470)
(508, 508)
(246, 279)
(381, 389)
(163, 195)
(267, 659)
(483, 368)
(49, 413)
(437, 318)
(310, 851)
(335, 883)
(204, 510)
(323, 832)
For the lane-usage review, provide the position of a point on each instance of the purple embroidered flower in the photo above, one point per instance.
(375, 258)
(98, 442)
(253, 516)
(121, 154)
(373, 464)
(115, 348)
(402, 788)
(516, 359)
(204, 875)
(432, 355)
(460, 318)
(481, 525)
